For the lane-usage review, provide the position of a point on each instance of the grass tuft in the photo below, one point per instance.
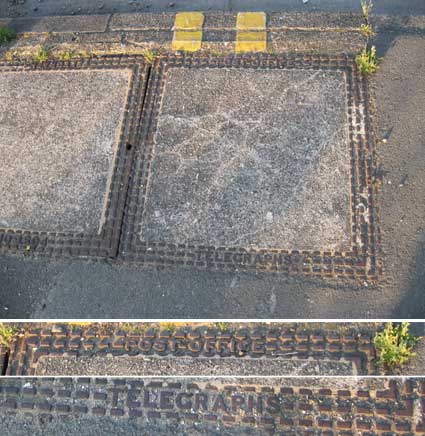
(41, 55)
(395, 345)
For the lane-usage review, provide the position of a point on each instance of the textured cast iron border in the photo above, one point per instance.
(389, 407)
(202, 341)
(361, 262)
(4, 357)
(106, 242)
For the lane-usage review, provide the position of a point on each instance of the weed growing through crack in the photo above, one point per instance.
(149, 56)
(6, 35)
(41, 56)
(367, 60)
(134, 327)
(7, 334)
(222, 326)
(367, 6)
(66, 55)
(395, 345)
(367, 30)
(168, 326)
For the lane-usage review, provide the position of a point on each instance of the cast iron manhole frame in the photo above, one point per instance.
(200, 342)
(362, 261)
(106, 242)
(372, 406)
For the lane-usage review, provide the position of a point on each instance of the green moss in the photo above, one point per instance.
(6, 35)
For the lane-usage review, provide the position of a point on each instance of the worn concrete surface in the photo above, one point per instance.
(58, 135)
(23, 425)
(62, 24)
(251, 158)
(186, 366)
(56, 7)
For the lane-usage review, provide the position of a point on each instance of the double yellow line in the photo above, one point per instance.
(251, 34)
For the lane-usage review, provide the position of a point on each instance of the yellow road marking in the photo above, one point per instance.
(188, 31)
(251, 20)
(251, 33)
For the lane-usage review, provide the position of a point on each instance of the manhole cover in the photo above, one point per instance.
(256, 163)
(66, 134)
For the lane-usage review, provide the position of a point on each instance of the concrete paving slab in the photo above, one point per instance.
(59, 134)
(242, 158)
(199, 406)
(130, 366)
(322, 41)
(62, 24)
(134, 21)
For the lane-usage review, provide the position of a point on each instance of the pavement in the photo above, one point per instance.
(82, 7)
(32, 286)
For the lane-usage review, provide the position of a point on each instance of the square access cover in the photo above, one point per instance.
(255, 162)
(66, 135)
